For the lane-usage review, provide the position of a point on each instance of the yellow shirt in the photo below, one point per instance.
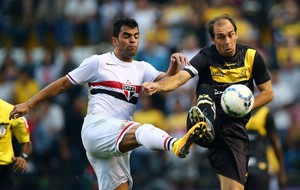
(177, 123)
(25, 90)
(153, 116)
(9, 128)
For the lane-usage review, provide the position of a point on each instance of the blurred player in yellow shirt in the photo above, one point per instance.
(263, 135)
(9, 129)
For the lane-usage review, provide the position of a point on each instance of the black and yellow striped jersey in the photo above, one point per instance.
(245, 67)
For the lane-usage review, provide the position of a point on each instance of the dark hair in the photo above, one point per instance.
(210, 24)
(129, 22)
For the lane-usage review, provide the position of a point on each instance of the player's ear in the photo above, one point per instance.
(114, 41)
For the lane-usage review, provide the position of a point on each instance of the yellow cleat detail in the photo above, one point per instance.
(182, 145)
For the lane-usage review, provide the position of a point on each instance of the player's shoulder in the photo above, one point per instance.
(92, 58)
(245, 47)
(102, 55)
(105, 55)
(141, 64)
(5, 109)
(209, 51)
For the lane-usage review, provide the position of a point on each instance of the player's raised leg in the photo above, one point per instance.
(205, 112)
(182, 146)
(156, 139)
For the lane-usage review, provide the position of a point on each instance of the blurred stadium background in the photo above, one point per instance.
(41, 40)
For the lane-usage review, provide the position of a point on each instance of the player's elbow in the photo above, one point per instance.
(269, 97)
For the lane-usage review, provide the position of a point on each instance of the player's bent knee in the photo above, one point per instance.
(230, 184)
(123, 186)
(142, 132)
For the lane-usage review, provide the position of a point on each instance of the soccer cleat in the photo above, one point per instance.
(182, 145)
(196, 116)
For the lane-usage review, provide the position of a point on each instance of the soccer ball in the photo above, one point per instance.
(237, 100)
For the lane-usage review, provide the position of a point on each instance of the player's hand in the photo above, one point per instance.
(149, 88)
(179, 58)
(20, 164)
(19, 110)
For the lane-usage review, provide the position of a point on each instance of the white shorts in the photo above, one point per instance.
(101, 137)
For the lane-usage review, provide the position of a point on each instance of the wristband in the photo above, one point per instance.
(25, 156)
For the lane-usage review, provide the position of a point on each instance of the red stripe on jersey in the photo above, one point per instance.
(71, 78)
(26, 124)
(114, 84)
(166, 142)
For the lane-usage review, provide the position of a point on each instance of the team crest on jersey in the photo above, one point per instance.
(3, 129)
(129, 91)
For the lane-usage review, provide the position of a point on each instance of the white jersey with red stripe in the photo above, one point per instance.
(114, 85)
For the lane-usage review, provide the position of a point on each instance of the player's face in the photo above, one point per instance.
(225, 38)
(126, 45)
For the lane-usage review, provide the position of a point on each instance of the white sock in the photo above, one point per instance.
(154, 138)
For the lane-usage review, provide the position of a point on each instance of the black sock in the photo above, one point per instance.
(206, 101)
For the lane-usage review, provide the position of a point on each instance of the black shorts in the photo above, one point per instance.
(257, 178)
(6, 182)
(230, 150)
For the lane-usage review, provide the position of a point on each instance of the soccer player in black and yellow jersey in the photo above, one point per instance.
(263, 135)
(219, 65)
(9, 129)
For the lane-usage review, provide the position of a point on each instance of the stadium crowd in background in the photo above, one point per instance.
(26, 35)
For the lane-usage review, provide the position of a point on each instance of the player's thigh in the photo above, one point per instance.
(230, 153)
(123, 186)
(229, 184)
(101, 135)
(112, 172)
(129, 141)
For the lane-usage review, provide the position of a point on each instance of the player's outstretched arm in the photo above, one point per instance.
(167, 84)
(49, 91)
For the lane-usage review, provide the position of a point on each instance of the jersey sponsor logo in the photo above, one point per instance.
(111, 64)
(3, 129)
(230, 65)
(217, 74)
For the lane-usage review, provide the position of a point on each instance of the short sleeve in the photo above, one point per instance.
(20, 130)
(150, 72)
(86, 71)
(260, 72)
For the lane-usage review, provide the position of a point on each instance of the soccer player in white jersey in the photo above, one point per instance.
(108, 133)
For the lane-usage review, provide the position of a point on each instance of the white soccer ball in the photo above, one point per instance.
(237, 100)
